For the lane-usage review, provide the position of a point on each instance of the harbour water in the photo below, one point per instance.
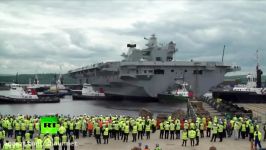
(92, 107)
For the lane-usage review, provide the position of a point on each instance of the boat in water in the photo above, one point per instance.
(252, 92)
(54, 90)
(17, 94)
(88, 93)
(59, 89)
(248, 93)
(180, 93)
(145, 73)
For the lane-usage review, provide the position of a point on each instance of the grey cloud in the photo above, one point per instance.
(77, 33)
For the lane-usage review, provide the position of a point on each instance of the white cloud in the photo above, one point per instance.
(42, 35)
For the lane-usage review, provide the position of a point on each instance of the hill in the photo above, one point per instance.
(43, 78)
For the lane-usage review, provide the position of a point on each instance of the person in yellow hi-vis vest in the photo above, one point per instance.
(134, 133)
(27, 136)
(56, 142)
(177, 129)
(214, 132)
(18, 145)
(7, 146)
(62, 131)
(257, 138)
(220, 131)
(184, 136)
(106, 135)
(209, 127)
(27, 146)
(64, 142)
(166, 130)
(38, 144)
(47, 143)
(2, 137)
(243, 130)
(192, 136)
(31, 129)
(148, 130)
(72, 141)
(97, 133)
(251, 131)
(172, 131)
(126, 132)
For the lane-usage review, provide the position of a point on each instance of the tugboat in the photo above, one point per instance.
(179, 94)
(252, 92)
(87, 93)
(59, 89)
(16, 94)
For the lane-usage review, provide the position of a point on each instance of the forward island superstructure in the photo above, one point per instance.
(144, 73)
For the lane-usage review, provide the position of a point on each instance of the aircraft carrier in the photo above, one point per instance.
(144, 73)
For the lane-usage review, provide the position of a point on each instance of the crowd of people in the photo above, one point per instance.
(26, 130)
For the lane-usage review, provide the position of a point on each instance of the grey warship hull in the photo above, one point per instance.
(144, 74)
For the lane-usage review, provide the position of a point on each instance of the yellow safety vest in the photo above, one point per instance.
(161, 126)
(184, 135)
(27, 147)
(191, 134)
(18, 146)
(38, 144)
(243, 129)
(201, 126)
(31, 126)
(166, 127)
(177, 126)
(98, 131)
(7, 146)
(257, 134)
(220, 129)
(214, 129)
(56, 140)
(18, 138)
(135, 129)
(172, 127)
(23, 126)
(106, 132)
(47, 143)
(37, 126)
(186, 126)
(1, 135)
(17, 126)
(251, 129)
(27, 136)
(209, 124)
(126, 129)
(140, 127)
(64, 139)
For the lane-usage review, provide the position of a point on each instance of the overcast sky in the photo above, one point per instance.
(41, 36)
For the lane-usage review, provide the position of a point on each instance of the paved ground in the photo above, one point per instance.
(227, 144)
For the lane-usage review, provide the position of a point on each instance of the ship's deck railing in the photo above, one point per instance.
(173, 63)
(93, 66)
(84, 68)
(210, 64)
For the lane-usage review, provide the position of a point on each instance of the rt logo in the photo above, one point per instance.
(48, 125)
